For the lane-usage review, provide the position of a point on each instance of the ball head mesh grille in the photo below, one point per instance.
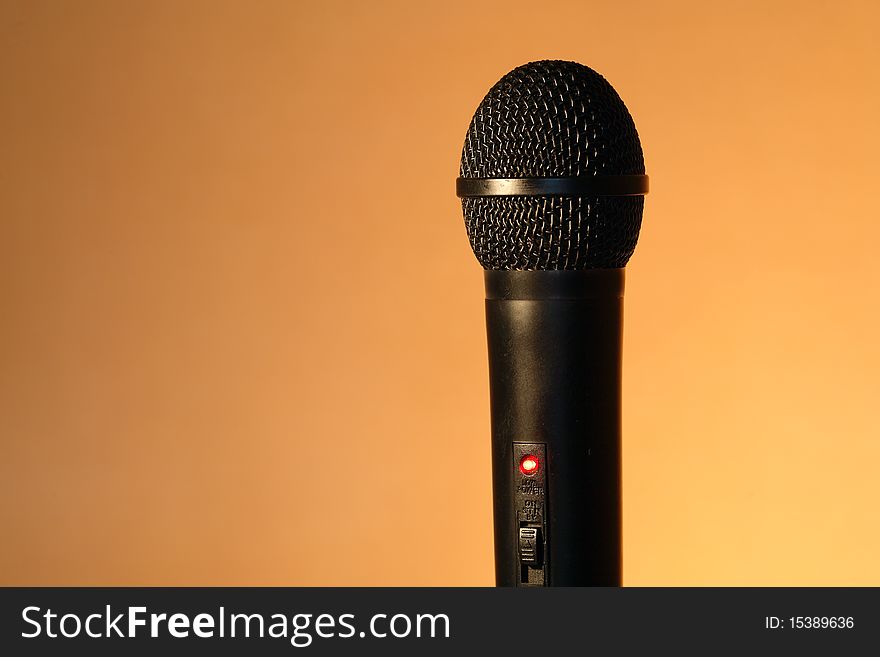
(552, 119)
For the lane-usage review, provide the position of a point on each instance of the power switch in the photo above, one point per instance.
(529, 546)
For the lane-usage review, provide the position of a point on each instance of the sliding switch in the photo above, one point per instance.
(529, 546)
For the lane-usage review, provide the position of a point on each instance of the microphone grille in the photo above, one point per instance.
(552, 119)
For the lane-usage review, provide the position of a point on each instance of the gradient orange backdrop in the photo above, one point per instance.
(241, 329)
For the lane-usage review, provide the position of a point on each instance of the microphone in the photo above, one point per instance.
(552, 188)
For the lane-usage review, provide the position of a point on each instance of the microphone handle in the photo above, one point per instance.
(554, 372)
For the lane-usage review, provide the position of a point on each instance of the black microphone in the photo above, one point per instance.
(552, 187)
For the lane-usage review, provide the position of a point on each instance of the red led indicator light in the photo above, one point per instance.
(528, 465)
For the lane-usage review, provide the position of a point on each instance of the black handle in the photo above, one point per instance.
(554, 368)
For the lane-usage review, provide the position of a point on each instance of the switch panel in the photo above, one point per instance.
(530, 505)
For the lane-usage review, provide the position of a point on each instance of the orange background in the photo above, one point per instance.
(241, 329)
